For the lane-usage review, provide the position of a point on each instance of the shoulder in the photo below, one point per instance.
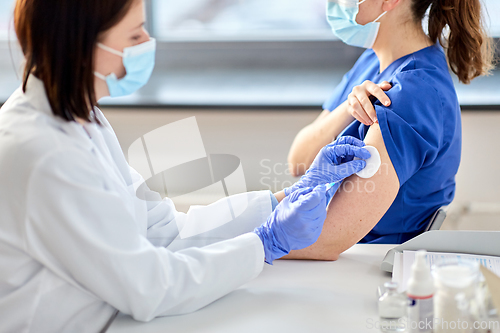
(67, 165)
(414, 101)
(30, 139)
(426, 73)
(423, 91)
(412, 89)
(422, 85)
(416, 107)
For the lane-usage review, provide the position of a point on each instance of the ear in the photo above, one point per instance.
(389, 5)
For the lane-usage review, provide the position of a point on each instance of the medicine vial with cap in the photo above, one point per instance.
(420, 294)
(392, 309)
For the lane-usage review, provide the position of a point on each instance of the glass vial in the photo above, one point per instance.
(392, 309)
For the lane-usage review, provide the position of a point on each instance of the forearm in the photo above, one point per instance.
(315, 136)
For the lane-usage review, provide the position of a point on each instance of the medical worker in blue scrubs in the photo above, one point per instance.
(415, 125)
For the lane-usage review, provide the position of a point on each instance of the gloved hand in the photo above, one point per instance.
(296, 223)
(333, 164)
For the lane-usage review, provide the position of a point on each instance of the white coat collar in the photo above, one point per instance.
(37, 97)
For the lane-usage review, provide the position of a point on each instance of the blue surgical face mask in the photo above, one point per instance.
(138, 60)
(341, 15)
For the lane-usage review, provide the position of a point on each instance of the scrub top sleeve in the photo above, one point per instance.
(81, 230)
(412, 126)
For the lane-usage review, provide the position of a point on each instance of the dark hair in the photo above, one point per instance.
(468, 47)
(58, 39)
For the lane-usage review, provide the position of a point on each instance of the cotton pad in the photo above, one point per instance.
(372, 164)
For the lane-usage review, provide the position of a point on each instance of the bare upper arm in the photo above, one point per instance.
(356, 208)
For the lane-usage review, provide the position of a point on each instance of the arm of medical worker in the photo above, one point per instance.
(224, 219)
(329, 125)
(84, 233)
(356, 208)
(232, 216)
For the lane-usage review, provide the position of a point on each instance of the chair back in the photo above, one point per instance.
(437, 219)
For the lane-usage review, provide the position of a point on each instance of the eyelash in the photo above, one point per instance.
(136, 38)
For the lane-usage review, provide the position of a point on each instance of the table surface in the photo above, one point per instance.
(290, 296)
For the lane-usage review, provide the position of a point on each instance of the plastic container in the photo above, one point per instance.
(420, 294)
(457, 305)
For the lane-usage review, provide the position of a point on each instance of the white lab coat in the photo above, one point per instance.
(76, 243)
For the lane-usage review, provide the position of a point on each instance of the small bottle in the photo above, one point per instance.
(392, 309)
(420, 294)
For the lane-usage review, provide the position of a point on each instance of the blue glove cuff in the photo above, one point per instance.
(274, 201)
(331, 192)
(271, 251)
(288, 191)
(293, 188)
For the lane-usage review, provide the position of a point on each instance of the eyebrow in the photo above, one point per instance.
(140, 25)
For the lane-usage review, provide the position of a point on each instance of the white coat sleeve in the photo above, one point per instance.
(165, 223)
(78, 228)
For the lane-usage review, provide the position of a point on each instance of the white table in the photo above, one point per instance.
(291, 296)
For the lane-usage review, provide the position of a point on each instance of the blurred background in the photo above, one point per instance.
(254, 72)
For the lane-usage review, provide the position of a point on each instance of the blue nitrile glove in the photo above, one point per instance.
(333, 164)
(295, 224)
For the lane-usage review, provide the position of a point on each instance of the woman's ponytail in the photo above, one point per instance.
(459, 26)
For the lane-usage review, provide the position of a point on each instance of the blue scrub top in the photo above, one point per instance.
(422, 132)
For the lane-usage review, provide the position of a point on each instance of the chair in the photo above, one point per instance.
(422, 241)
(437, 219)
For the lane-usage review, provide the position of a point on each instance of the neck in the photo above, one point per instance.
(395, 41)
(81, 121)
(101, 89)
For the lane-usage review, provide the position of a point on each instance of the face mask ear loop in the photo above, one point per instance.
(378, 18)
(100, 76)
(110, 50)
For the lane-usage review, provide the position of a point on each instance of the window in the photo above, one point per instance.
(237, 20)
(240, 19)
(493, 10)
(261, 52)
(242, 53)
(192, 20)
(175, 20)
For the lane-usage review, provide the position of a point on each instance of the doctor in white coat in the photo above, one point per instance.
(76, 243)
